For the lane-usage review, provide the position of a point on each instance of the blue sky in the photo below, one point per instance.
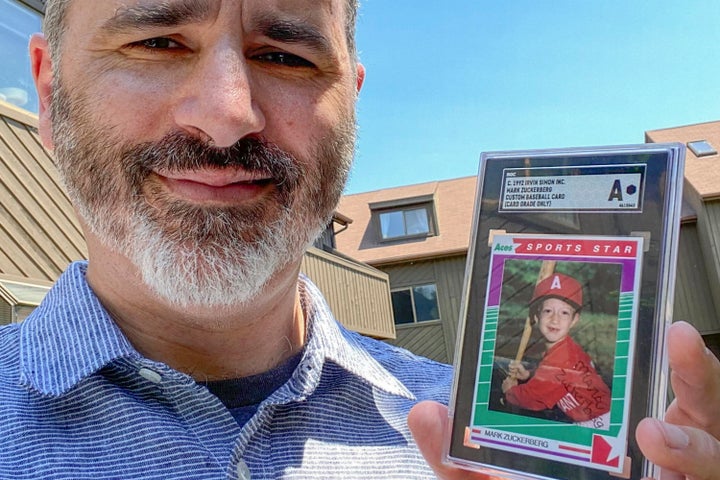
(448, 80)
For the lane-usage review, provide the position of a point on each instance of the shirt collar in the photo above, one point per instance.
(329, 340)
(69, 336)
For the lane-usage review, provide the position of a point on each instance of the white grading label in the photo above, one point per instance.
(573, 188)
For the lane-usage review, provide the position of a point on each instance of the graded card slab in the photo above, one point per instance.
(568, 291)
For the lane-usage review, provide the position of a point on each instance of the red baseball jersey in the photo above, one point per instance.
(565, 377)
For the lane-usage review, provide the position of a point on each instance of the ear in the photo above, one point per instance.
(360, 76)
(575, 320)
(42, 72)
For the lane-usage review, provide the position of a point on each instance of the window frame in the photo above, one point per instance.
(701, 148)
(34, 7)
(411, 289)
(425, 202)
(37, 5)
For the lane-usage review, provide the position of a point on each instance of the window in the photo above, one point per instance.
(415, 304)
(404, 223)
(404, 218)
(17, 23)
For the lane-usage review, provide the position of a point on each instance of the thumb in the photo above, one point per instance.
(428, 422)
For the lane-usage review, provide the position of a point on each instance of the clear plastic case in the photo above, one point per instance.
(568, 292)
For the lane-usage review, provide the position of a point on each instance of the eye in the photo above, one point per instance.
(157, 43)
(285, 59)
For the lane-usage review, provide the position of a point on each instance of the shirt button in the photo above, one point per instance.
(243, 471)
(150, 375)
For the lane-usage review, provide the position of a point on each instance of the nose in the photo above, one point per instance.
(217, 103)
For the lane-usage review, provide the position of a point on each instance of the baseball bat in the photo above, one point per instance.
(546, 269)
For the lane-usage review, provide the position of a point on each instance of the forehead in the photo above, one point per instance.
(325, 15)
(557, 303)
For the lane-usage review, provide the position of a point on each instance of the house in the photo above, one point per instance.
(40, 234)
(697, 295)
(419, 235)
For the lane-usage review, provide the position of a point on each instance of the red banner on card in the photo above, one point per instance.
(589, 247)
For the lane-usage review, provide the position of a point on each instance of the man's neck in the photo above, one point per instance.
(208, 344)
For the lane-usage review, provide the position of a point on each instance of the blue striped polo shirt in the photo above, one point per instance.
(77, 401)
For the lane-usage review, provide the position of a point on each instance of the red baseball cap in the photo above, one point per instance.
(559, 286)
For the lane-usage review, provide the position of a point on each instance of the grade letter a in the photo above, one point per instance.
(616, 192)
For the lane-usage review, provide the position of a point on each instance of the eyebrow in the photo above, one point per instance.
(165, 14)
(294, 32)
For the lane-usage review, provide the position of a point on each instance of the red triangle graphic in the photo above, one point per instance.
(601, 450)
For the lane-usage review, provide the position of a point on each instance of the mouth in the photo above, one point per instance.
(216, 186)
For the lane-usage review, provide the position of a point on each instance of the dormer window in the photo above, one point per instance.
(405, 218)
(404, 223)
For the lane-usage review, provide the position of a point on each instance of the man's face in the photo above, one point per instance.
(208, 140)
(556, 319)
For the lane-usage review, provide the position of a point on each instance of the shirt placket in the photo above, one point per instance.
(204, 416)
(249, 457)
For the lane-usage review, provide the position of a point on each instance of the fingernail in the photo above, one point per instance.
(675, 437)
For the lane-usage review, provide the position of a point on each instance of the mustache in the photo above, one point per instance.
(179, 152)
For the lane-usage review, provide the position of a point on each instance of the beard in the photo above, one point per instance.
(190, 254)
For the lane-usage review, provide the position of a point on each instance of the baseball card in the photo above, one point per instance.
(566, 301)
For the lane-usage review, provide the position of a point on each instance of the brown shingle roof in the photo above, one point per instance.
(701, 173)
(453, 201)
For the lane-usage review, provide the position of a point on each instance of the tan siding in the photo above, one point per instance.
(448, 275)
(422, 339)
(708, 229)
(46, 177)
(358, 295)
(6, 311)
(18, 256)
(39, 233)
(693, 300)
(410, 274)
(43, 192)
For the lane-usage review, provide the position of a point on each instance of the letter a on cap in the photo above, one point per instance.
(560, 286)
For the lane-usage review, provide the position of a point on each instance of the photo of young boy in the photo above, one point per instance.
(565, 379)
